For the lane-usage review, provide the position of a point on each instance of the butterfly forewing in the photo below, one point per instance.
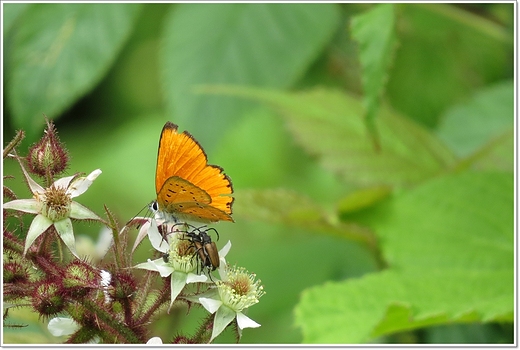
(186, 184)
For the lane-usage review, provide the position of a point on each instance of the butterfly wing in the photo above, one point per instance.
(177, 190)
(180, 157)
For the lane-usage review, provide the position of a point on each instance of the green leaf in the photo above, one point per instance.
(250, 44)
(450, 247)
(11, 12)
(329, 125)
(295, 209)
(484, 123)
(444, 53)
(59, 52)
(374, 32)
(363, 198)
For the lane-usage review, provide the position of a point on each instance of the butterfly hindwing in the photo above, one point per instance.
(178, 190)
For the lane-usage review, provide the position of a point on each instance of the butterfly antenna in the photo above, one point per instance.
(148, 213)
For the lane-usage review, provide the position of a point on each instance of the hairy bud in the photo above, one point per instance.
(48, 156)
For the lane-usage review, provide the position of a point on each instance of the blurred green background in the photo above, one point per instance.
(111, 75)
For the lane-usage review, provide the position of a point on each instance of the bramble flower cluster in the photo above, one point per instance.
(104, 297)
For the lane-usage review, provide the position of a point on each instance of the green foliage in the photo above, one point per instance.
(374, 30)
(249, 44)
(64, 51)
(408, 241)
(488, 121)
(329, 124)
(453, 265)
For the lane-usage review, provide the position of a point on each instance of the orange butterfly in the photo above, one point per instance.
(187, 186)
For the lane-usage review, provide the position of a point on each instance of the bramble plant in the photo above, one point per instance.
(111, 300)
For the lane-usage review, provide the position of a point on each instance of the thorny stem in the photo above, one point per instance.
(163, 297)
(127, 333)
(203, 334)
(115, 234)
(143, 292)
(14, 142)
(11, 243)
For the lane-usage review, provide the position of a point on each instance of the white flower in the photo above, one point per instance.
(59, 326)
(154, 341)
(54, 207)
(237, 291)
(178, 259)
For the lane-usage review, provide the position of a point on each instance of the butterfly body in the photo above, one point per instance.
(187, 187)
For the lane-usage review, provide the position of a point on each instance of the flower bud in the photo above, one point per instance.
(47, 299)
(48, 156)
(124, 286)
(14, 272)
(80, 278)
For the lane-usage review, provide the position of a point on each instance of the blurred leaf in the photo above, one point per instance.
(11, 12)
(445, 53)
(473, 333)
(450, 247)
(59, 53)
(374, 31)
(329, 124)
(363, 198)
(252, 44)
(294, 209)
(484, 122)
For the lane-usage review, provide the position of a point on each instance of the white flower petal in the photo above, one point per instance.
(30, 206)
(158, 265)
(245, 322)
(33, 185)
(64, 182)
(223, 317)
(143, 231)
(225, 249)
(64, 228)
(38, 226)
(178, 281)
(159, 242)
(77, 211)
(210, 304)
(81, 184)
(154, 341)
(59, 326)
(222, 270)
(193, 278)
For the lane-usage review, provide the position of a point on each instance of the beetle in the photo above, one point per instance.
(205, 248)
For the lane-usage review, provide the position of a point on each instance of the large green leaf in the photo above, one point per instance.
(59, 52)
(251, 44)
(329, 124)
(450, 247)
(375, 34)
(482, 128)
(444, 53)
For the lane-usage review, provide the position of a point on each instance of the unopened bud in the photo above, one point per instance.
(80, 278)
(47, 299)
(48, 156)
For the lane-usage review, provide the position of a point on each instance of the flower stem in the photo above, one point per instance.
(14, 142)
(124, 331)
